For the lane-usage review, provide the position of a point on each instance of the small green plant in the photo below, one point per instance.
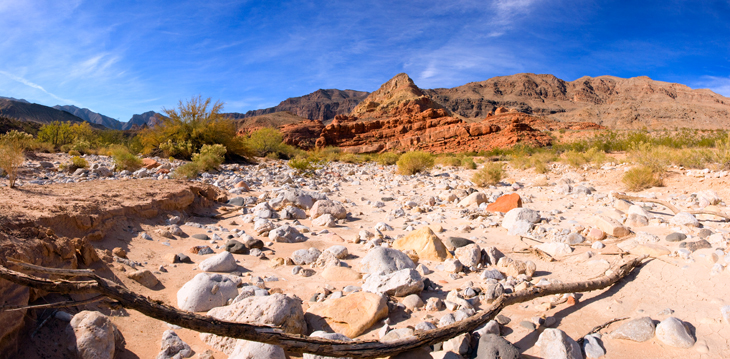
(74, 153)
(81, 146)
(350, 158)
(269, 140)
(447, 161)
(387, 158)
(210, 157)
(125, 160)
(303, 165)
(414, 162)
(17, 138)
(189, 170)
(489, 174)
(78, 162)
(468, 163)
(640, 178)
(11, 158)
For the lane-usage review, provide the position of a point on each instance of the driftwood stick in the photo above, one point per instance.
(66, 304)
(671, 207)
(55, 271)
(302, 344)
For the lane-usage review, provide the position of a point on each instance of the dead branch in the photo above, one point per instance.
(71, 303)
(669, 206)
(598, 328)
(303, 344)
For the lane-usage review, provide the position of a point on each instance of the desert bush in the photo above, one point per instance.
(190, 126)
(74, 153)
(414, 162)
(490, 174)
(267, 140)
(17, 138)
(468, 163)
(351, 158)
(189, 170)
(448, 161)
(81, 146)
(124, 159)
(640, 178)
(657, 158)
(387, 158)
(210, 157)
(11, 158)
(304, 165)
(78, 162)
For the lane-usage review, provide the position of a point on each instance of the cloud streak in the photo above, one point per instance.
(36, 86)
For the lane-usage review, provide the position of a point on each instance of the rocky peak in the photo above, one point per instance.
(397, 93)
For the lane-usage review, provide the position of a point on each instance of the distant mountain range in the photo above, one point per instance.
(613, 102)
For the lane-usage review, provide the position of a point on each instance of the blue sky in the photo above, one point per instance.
(120, 58)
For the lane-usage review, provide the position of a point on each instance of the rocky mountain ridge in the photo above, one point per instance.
(91, 116)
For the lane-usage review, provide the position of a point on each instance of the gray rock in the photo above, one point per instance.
(96, 336)
(221, 262)
(397, 334)
(381, 260)
(672, 332)
(172, 347)
(693, 246)
(725, 311)
(325, 220)
(685, 219)
(575, 238)
(305, 256)
(452, 265)
(638, 330)
(399, 284)
(456, 242)
(491, 346)
(413, 302)
(447, 319)
(286, 234)
(263, 226)
(424, 326)
(676, 237)
(520, 228)
(555, 249)
(236, 201)
(555, 344)
(469, 255)
(291, 212)
(492, 327)
(519, 214)
(206, 291)
(592, 347)
(245, 349)
(325, 335)
(340, 252)
(236, 247)
(459, 344)
(251, 242)
(335, 208)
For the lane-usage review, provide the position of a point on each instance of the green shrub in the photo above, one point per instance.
(387, 158)
(640, 178)
(78, 162)
(74, 153)
(189, 170)
(81, 146)
(350, 158)
(210, 157)
(448, 161)
(269, 140)
(190, 126)
(468, 163)
(303, 165)
(17, 138)
(413, 162)
(11, 158)
(489, 174)
(125, 160)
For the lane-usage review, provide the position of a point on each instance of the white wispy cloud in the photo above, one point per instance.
(37, 87)
(720, 85)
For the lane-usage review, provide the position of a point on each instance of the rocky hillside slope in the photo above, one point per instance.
(31, 112)
(91, 116)
(147, 119)
(606, 100)
(322, 105)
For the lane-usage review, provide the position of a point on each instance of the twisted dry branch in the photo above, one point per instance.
(303, 344)
(669, 206)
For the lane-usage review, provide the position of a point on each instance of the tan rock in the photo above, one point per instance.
(144, 277)
(149, 163)
(351, 315)
(119, 252)
(611, 226)
(341, 274)
(425, 243)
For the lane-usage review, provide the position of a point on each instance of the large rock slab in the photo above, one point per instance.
(425, 243)
(492, 346)
(245, 349)
(206, 291)
(381, 260)
(221, 262)
(351, 315)
(277, 310)
(685, 219)
(398, 284)
(638, 330)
